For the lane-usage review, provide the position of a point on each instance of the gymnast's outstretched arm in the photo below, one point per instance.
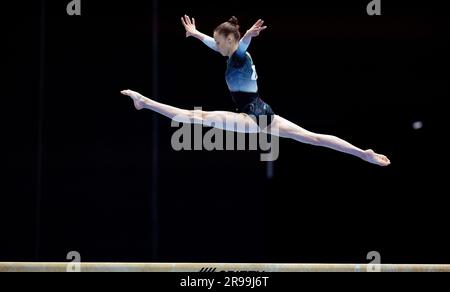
(244, 43)
(191, 30)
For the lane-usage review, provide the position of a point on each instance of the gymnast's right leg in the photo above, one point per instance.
(224, 120)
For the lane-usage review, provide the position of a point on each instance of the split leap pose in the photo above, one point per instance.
(241, 78)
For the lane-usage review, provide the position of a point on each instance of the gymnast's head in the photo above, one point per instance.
(227, 36)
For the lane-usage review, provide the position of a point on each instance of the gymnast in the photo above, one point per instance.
(241, 78)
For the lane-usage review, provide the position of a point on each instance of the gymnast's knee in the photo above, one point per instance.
(314, 139)
(197, 116)
(189, 116)
(308, 138)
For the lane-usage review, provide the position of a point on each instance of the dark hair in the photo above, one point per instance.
(230, 27)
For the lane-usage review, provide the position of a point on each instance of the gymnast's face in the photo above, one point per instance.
(226, 44)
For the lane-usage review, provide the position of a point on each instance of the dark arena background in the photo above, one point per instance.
(84, 171)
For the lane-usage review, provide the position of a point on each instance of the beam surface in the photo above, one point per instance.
(217, 267)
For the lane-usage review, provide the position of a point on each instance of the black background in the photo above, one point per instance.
(326, 66)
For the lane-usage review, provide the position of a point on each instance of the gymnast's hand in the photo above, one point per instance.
(138, 99)
(189, 25)
(256, 29)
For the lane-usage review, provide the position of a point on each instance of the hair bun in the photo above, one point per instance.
(234, 21)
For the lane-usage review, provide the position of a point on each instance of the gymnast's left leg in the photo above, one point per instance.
(286, 129)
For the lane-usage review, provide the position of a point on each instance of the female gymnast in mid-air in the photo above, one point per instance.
(241, 79)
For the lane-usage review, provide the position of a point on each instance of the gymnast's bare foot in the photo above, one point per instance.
(138, 99)
(375, 158)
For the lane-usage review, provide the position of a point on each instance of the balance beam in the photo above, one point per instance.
(218, 267)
